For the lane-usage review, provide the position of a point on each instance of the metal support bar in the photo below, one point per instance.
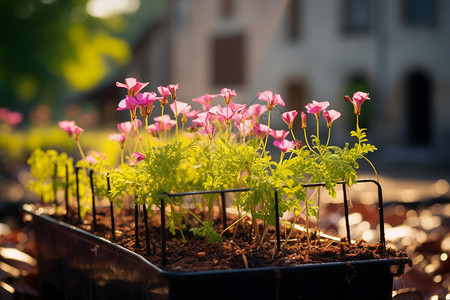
(111, 210)
(380, 203)
(347, 223)
(224, 210)
(163, 232)
(277, 221)
(91, 176)
(66, 192)
(55, 185)
(147, 234)
(77, 171)
(136, 226)
(380, 208)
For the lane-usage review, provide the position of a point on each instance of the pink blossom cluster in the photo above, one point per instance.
(12, 118)
(71, 128)
(212, 117)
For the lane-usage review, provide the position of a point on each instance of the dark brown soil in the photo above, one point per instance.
(238, 250)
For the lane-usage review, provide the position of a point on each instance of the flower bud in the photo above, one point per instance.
(303, 120)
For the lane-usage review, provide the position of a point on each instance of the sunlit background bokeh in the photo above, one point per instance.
(60, 60)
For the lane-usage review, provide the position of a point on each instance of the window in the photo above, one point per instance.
(419, 12)
(418, 105)
(228, 60)
(356, 16)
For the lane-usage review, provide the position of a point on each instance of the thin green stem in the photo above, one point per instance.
(161, 124)
(194, 215)
(146, 129)
(357, 128)
(292, 132)
(176, 221)
(328, 139)
(373, 167)
(232, 225)
(176, 126)
(81, 150)
(139, 141)
(121, 157)
(318, 138)
(281, 157)
(307, 143)
(228, 130)
(267, 136)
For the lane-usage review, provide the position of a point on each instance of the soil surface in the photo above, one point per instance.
(239, 248)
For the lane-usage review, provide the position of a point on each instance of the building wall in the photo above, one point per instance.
(321, 61)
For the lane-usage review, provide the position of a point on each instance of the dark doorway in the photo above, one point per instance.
(418, 107)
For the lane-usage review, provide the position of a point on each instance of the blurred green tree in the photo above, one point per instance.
(50, 47)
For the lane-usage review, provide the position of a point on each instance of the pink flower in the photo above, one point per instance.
(136, 157)
(244, 127)
(164, 91)
(3, 113)
(76, 132)
(261, 130)
(144, 101)
(303, 120)
(11, 118)
(165, 122)
(205, 101)
(67, 126)
(357, 101)
(127, 104)
(227, 112)
(227, 94)
(209, 131)
(118, 137)
(236, 107)
(132, 85)
(71, 128)
(330, 116)
(279, 135)
(172, 88)
(192, 113)
(179, 107)
(203, 119)
(316, 107)
(93, 157)
(127, 127)
(240, 117)
(256, 110)
(271, 99)
(90, 158)
(284, 145)
(289, 117)
(153, 129)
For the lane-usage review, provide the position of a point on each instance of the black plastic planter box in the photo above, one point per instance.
(74, 264)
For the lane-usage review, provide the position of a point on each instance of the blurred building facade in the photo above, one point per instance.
(398, 50)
